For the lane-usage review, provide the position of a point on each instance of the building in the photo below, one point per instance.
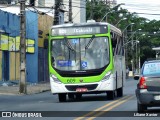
(37, 28)
(78, 8)
(10, 44)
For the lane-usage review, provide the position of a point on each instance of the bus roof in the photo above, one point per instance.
(113, 28)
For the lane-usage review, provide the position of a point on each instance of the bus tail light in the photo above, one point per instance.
(142, 83)
(55, 79)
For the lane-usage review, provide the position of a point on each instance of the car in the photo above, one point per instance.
(148, 87)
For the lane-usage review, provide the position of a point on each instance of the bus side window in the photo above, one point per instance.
(121, 46)
(113, 40)
(118, 52)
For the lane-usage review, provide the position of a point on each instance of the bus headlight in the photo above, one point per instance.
(107, 76)
(55, 79)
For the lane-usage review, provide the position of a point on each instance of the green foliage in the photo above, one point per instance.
(96, 10)
(149, 28)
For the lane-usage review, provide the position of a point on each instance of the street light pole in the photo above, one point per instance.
(136, 59)
(125, 40)
(139, 60)
(138, 63)
(120, 21)
(106, 15)
(132, 51)
(127, 27)
(111, 11)
(136, 41)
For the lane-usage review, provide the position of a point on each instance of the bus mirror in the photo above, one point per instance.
(45, 44)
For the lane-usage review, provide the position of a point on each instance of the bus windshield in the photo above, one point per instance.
(80, 53)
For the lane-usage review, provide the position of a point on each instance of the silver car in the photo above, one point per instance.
(148, 87)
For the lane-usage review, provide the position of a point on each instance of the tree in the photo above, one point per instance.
(96, 9)
(149, 28)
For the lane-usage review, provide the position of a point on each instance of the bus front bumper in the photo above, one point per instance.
(108, 85)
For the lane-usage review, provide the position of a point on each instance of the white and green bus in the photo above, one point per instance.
(86, 58)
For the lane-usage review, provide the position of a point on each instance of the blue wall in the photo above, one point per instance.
(32, 59)
(10, 23)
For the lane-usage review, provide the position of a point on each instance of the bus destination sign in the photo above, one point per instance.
(79, 30)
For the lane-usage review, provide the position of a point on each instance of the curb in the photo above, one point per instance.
(9, 94)
(29, 93)
(15, 91)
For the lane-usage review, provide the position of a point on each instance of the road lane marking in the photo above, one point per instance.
(111, 107)
(98, 109)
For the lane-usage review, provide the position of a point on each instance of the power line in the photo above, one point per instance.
(146, 13)
(137, 8)
(76, 14)
(74, 6)
(40, 3)
(141, 6)
(40, 12)
(75, 3)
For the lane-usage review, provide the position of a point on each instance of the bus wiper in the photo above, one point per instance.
(71, 48)
(69, 45)
(90, 41)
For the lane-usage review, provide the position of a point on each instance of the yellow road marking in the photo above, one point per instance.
(110, 108)
(98, 109)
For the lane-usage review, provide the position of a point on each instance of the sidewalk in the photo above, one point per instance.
(12, 88)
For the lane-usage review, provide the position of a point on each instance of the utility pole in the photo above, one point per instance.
(56, 14)
(132, 52)
(91, 12)
(22, 83)
(70, 11)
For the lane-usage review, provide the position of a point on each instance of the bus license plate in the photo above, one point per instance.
(81, 90)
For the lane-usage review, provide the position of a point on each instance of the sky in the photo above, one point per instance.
(143, 6)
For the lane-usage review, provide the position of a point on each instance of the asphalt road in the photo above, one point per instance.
(89, 107)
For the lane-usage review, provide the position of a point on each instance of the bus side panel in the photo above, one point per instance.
(119, 63)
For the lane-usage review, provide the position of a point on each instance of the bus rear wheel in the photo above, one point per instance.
(110, 95)
(62, 97)
(120, 92)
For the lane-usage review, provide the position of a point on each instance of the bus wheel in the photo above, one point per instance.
(70, 95)
(110, 95)
(120, 92)
(62, 97)
(78, 96)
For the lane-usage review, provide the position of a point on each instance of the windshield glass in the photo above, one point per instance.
(151, 69)
(80, 53)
